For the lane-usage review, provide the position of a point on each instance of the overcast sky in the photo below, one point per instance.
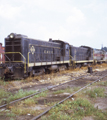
(78, 22)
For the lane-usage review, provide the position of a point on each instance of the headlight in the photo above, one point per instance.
(11, 35)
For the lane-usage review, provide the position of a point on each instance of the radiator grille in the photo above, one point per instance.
(13, 46)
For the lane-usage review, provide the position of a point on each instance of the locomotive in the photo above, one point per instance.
(100, 56)
(25, 56)
(29, 57)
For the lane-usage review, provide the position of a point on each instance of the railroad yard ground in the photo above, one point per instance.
(88, 104)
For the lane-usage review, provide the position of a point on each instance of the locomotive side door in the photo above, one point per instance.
(67, 50)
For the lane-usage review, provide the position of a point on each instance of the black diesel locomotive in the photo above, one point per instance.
(25, 56)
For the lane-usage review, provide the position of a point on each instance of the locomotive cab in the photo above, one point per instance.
(65, 52)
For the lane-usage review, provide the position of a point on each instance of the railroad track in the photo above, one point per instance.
(71, 95)
(40, 91)
(55, 86)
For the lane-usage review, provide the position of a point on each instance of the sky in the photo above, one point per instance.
(78, 22)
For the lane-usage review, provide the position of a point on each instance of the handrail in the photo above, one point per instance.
(17, 61)
(28, 59)
(7, 58)
(41, 61)
(72, 60)
(71, 56)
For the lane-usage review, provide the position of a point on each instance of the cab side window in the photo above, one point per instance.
(67, 47)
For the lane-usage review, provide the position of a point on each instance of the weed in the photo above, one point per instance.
(102, 83)
(96, 92)
(19, 111)
(99, 115)
(59, 116)
(20, 94)
(58, 92)
(7, 113)
(12, 119)
(24, 111)
(75, 110)
(42, 94)
(76, 88)
(71, 110)
(51, 103)
(10, 115)
(29, 102)
(62, 91)
(3, 93)
(79, 108)
(3, 83)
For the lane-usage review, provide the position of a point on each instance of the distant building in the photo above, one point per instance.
(2, 57)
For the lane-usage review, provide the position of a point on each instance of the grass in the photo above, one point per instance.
(70, 110)
(99, 115)
(3, 93)
(8, 97)
(58, 116)
(42, 94)
(51, 103)
(96, 92)
(103, 83)
(21, 108)
(24, 111)
(80, 108)
(8, 115)
(20, 111)
(20, 94)
(3, 83)
(75, 110)
(76, 88)
(29, 102)
(69, 90)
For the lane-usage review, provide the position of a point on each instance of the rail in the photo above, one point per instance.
(60, 102)
(40, 91)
